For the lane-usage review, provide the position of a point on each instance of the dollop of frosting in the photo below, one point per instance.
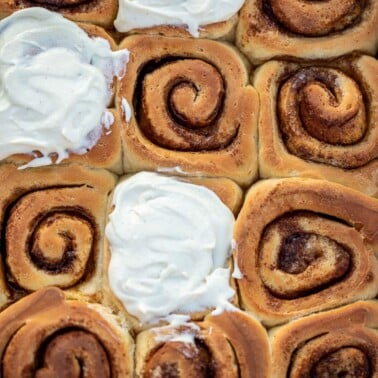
(169, 242)
(55, 84)
(136, 14)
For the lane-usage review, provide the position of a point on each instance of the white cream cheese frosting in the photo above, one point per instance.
(55, 85)
(169, 242)
(136, 14)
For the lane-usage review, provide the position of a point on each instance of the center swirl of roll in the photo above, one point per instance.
(323, 117)
(304, 257)
(54, 243)
(182, 106)
(338, 353)
(49, 239)
(316, 18)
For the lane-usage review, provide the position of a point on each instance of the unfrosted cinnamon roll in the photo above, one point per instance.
(99, 12)
(307, 29)
(338, 343)
(186, 105)
(52, 222)
(320, 120)
(45, 335)
(57, 81)
(303, 246)
(231, 344)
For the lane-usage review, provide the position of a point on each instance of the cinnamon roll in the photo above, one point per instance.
(168, 247)
(231, 344)
(304, 246)
(57, 87)
(214, 19)
(307, 29)
(337, 343)
(52, 222)
(320, 120)
(186, 105)
(99, 12)
(45, 335)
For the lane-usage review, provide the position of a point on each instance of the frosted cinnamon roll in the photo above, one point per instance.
(158, 231)
(304, 246)
(99, 12)
(232, 344)
(320, 120)
(307, 29)
(45, 335)
(186, 105)
(57, 83)
(337, 343)
(213, 19)
(52, 222)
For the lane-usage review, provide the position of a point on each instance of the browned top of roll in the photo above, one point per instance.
(305, 245)
(320, 120)
(306, 29)
(192, 107)
(99, 12)
(44, 335)
(342, 341)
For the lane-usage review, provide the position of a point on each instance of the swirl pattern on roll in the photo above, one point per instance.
(50, 238)
(182, 105)
(231, 344)
(341, 342)
(272, 28)
(322, 112)
(311, 246)
(320, 120)
(313, 18)
(52, 227)
(44, 335)
(189, 100)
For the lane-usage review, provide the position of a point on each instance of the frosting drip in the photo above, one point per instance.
(55, 85)
(160, 228)
(136, 14)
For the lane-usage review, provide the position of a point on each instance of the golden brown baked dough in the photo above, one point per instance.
(307, 29)
(232, 344)
(44, 335)
(230, 194)
(337, 343)
(320, 120)
(224, 30)
(52, 225)
(193, 110)
(99, 12)
(303, 246)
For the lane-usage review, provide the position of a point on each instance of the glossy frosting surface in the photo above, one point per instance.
(136, 14)
(55, 85)
(169, 243)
